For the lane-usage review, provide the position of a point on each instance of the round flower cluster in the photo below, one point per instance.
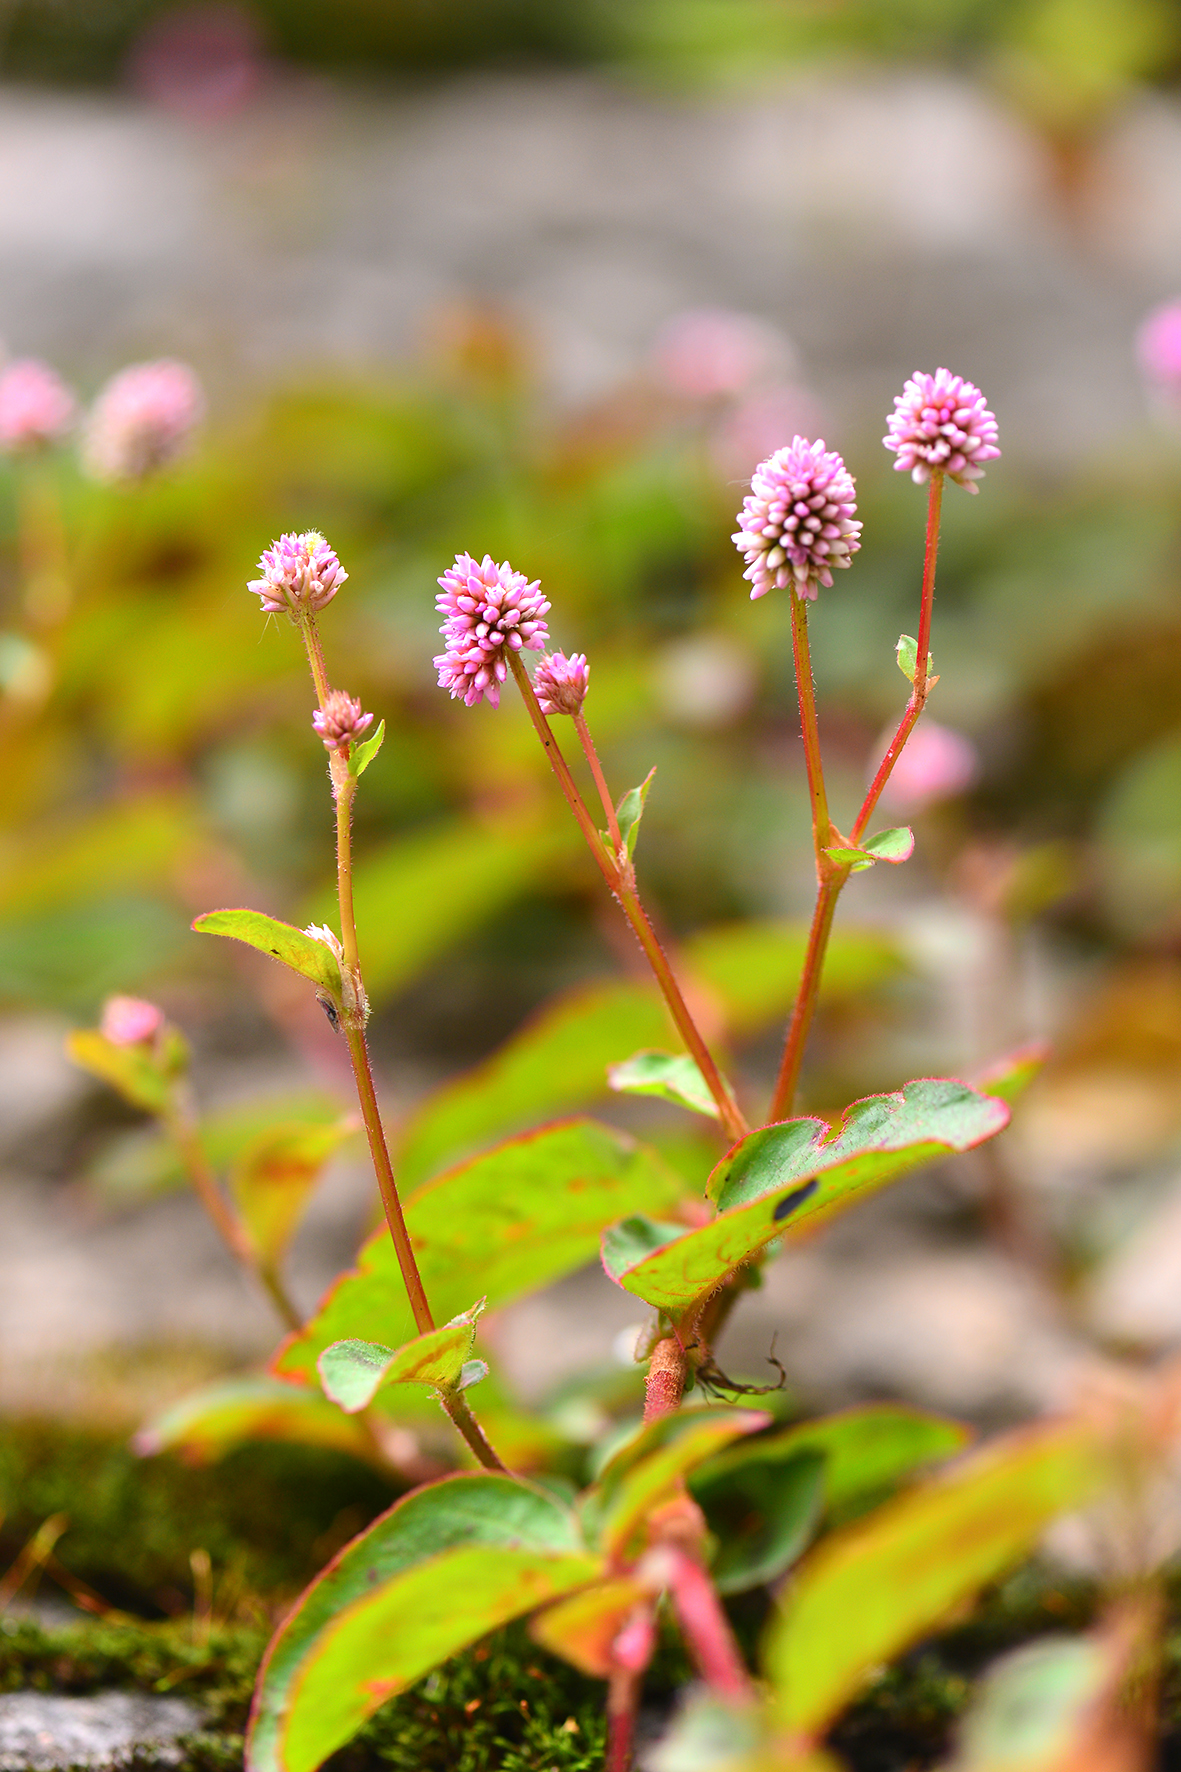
(127, 1021)
(340, 720)
(300, 575)
(561, 683)
(797, 521)
(142, 419)
(35, 405)
(489, 610)
(941, 422)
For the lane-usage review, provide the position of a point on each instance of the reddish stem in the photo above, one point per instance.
(665, 1384)
(596, 769)
(918, 697)
(804, 1007)
(706, 1627)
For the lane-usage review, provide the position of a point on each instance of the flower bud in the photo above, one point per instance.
(941, 423)
(129, 1021)
(36, 406)
(490, 610)
(340, 721)
(561, 683)
(797, 522)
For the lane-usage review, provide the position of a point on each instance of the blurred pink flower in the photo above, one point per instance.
(941, 421)
(142, 419)
(128, 1020)
(936, 764)
(36, 406)
(750, 431)
(300, 575)
(202, 61)
(1158, 346)
(489, 610)
(797, 522)
(561, 683)
(340, 720)
(706, 352)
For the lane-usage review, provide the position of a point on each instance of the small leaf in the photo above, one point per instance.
(442, 1567)
(143, 1074)
(660, 1073)
(631, 810)
(907, 654)
(203, 1427)
(352, 1372)
(504, 1224)
(783, 1180)
(877, 1586)
(302, 953)
(361, 755)
(648, 1468)
(1010, 1076)
(856, 859)
(273, 1178)
(895, 845)
(583, 1628)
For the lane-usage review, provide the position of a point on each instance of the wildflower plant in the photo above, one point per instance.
(691, 1503)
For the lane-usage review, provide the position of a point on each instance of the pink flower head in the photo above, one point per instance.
(941, 422)
(127, 1021)
(142, 419)
(797, 521)
(1158, 346)
(36, 406)
(340, 720)
(300, 575)
(561, 683)
(936, 764)
(489, 610)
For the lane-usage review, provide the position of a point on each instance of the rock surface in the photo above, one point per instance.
(41, 1730)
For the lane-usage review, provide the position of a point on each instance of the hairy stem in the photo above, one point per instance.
(918, 696)
(226, 1222)
(455, 1405)
(665, 1383)
(617, 872)
(310, 635)
(600, 780)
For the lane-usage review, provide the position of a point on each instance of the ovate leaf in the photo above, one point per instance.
(352, 1372)
(502, 1225)
(273, 1178)
(877, 1586)
(302, 953)
(143, 1074)
(205, 1426)
(907, 654)
(445, 1565)
(659, 1073)
(631, 810)
(895, 845)
(361, 755)
(763, 1514)
(785, 1178)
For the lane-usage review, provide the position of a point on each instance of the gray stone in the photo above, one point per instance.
(43, 1730)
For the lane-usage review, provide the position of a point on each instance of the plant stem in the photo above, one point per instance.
(830, 875)
(921, 689)
(226, 1222)
(596, 769)
(455, 1405)
(706, 1627)
(42, 542)
(665, 1384)
(623, 1701)
(617, 872)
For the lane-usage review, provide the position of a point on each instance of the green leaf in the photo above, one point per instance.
(877, 1586)
(273, 1179)
(1010, 1076)
(648, 1467)
(442, 1567)
(144, 1074)
(416, 897)
(352, 1372)
(556, 1062)
(1052, 1705)
(302, 953)
(631, 810)
(582, 1628)
(360, 756)
(784, 1180)
(895, 845)
(763, 1513)
(502, 1225)
(203, 1427)
(672, 1078)
(712, 1734)
(907, 654)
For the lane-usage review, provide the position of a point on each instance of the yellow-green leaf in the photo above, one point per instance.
(290, 946)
